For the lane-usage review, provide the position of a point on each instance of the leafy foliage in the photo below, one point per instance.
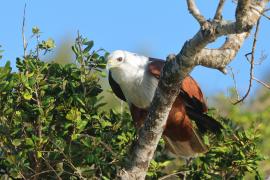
(231, 155)
(53, 125)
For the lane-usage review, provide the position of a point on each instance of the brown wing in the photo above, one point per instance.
(155, 66)
(192, 98)
(192, 89)
(189, 86)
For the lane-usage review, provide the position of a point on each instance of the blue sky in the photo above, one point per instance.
(154, 27)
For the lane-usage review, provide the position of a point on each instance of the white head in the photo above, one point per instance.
(124, 64)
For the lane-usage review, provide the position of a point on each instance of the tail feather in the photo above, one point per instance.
(189, 148)
(195, 109)
(205, 122)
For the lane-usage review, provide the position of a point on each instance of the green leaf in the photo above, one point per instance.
(103, 74)
(105, 178)
(16, 142)
(75, 49)
(11, 159)
(35, 30)
(102, 66)
(39, 154)
(74, 136)
(29, 142)
(105, 123)
(50, 43)
(89, 46)
(206, 140)
(73, 115)
(27, 95)
(79, 100)
(1, 51)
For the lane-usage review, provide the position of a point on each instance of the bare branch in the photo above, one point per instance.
(77, 172)
(173, 174)
(261, 82)
(193, 9)
(267, 9)
(251, 72)
(261, 59)
(250, 82)
(23, 35)
(234, 82)
(106, 146)
(52, 169)
(263, 12)
(43, 172)
(266, 16)
(218, 15)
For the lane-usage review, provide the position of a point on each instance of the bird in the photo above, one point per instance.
(134, 78)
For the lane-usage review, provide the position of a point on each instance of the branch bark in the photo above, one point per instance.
(218, 15)
(178, 66)
(193, 9)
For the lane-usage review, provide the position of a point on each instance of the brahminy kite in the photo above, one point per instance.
(134, 79)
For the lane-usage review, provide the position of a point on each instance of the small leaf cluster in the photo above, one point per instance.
(1, 51)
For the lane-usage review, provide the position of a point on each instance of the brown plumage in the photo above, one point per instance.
(180, 137)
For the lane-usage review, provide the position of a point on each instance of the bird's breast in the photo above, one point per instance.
(141, 91)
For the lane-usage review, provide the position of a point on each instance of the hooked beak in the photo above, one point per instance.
(110, 64)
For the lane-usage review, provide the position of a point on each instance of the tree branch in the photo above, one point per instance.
(23, 33)
(175, 70)
(262, 83)
(219, 58)
(218, 15)
(251, 71)
(193, 9)
(242, 20)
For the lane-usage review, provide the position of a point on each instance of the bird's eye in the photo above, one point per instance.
(119, 59)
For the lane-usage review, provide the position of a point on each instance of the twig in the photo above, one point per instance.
(37, 48)
(251, 71)
(50, 167)
(169, 175)
(193, 9)
(43, 172)
(262, 12)
(266, 16)
(23, 35)
(234, 82)
(267, 9)
(261, 82)
(77, 172)
(22, 175)
(218, 15)
(262, 58)
(106, 146)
